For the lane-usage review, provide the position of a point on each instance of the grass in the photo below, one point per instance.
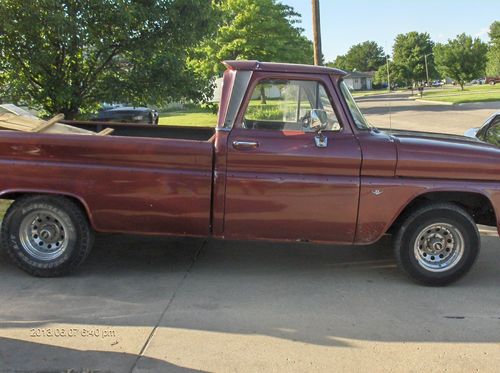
(196, 117)
(480, 93)
(199, 117)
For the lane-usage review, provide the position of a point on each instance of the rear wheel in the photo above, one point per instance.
(437, 244)
(46, 236)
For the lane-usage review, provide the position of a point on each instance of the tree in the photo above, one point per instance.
(264, 30)
(462, 58)
(67, 55)
(340, 63)
(493, 64)
(409, 53)
(380, 77)
(366, 56)
(395, 75)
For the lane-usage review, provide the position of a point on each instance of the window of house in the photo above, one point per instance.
(285, 105)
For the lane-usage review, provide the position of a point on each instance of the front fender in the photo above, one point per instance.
(383, 200)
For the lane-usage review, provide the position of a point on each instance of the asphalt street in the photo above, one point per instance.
(399, 111)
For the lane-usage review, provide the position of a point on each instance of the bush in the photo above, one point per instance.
(264, 112)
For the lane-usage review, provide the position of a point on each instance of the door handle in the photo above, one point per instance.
(245, 144)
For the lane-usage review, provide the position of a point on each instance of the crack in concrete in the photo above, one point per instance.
(171, 300)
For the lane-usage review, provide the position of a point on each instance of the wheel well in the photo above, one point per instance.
(15, 195)
(477, 205)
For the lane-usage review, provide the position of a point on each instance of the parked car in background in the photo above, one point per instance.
(477, 81)
(437, 83)
(489, 131)
(128, 114)
(492, 80)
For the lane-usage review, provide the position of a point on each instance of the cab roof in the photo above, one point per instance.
(281, 67)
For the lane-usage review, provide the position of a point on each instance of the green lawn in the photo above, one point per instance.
(189, 117)
(200, 117)
(480, 93)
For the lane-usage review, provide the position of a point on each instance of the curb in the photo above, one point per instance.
(435, 102)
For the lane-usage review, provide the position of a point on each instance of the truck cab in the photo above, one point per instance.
(284, 175)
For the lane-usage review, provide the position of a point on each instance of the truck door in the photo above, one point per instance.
(280, 183)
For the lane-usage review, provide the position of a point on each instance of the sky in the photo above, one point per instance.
(349, 22)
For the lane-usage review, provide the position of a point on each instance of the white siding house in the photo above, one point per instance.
(359, 80)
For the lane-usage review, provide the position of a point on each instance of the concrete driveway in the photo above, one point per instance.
(156, 304)
(184, 304)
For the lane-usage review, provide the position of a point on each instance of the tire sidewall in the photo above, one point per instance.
(412, 229)
(16, 248)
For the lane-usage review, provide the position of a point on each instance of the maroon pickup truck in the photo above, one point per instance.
(292, 159)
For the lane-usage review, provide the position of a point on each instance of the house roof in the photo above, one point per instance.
(281, 67)
(360, 74)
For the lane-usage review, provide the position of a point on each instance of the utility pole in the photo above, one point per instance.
(318, 56)
(388, 74)
(426, 67)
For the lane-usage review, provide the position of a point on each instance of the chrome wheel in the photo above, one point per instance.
(44, 235)
(439, 247)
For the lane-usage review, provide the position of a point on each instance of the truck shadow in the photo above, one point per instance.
(15, 354)
(314, 294)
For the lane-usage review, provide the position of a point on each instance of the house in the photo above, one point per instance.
(359, 80)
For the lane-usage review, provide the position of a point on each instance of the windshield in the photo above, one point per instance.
(358, 117)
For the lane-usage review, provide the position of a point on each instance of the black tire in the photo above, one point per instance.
(440, 229)
(46, 236)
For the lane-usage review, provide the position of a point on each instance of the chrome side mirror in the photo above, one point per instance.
(319, 122)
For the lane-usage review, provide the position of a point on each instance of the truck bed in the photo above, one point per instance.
(147, 130)
(145, 180)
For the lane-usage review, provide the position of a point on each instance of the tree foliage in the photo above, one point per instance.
(462, 58)
(394, 76)
(264, 30)
(366, 56)
(67, 55)
(409, 53)
(493, 64)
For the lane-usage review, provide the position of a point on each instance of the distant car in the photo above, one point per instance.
(489, 131)
(492, 80)
(437, 83)
(128, 114)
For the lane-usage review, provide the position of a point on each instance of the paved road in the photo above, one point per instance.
(187, 304)
(402, 112)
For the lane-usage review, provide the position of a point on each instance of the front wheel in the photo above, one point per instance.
(437, 244)
(46, 236)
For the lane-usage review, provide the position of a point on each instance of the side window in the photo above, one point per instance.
(285, 105)
(493, 134)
